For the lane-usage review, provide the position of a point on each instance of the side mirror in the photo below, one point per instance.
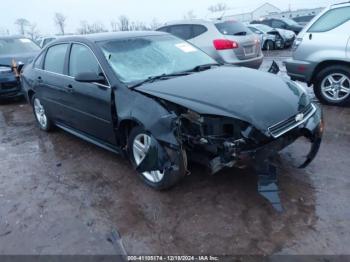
(89, 77)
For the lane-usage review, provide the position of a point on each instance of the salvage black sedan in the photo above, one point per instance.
(162, 102)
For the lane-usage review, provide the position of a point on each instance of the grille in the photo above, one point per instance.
(7, 86)
(287, 125)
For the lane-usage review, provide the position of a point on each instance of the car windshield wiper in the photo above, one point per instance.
(203, 67)
(152, 79)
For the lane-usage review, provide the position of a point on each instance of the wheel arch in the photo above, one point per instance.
(124, 128)
(324, 65)
(31, 93)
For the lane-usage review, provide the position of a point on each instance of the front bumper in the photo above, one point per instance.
(289, 41)
(299, 70)
(312, 129)
(10, 86)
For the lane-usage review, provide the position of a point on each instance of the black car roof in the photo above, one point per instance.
(109, 36)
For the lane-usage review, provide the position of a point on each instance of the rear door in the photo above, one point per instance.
(51, 81)
(248, 44)
(90, 103)
(329, 34)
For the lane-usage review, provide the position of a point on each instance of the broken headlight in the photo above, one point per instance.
(5, 69)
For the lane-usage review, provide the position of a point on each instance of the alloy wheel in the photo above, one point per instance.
(336, 87)
(141, 145)
(40, 113)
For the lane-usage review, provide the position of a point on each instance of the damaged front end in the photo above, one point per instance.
(220, 142)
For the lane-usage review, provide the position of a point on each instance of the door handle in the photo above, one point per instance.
(69, 88)
(310, 36)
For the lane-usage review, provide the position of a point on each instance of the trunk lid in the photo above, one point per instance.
(248, 43)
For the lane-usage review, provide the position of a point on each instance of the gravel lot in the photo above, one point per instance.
(61, 195)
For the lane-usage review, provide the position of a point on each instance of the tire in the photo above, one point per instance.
(159, 180)
(332, 85)
(42, 118)
(269, 45)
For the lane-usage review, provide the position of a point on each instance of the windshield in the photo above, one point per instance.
(232, 28)
(137, 59)
(264, 28)
(290, 22)
(17, 46)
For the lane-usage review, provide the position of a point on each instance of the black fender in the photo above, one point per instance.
(165, 150)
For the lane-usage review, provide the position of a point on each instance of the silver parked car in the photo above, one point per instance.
(228, 42)
(321, 55)
(271, 38)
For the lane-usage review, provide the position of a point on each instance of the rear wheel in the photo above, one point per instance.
(332, 85)
(139, 143)
(41, 115)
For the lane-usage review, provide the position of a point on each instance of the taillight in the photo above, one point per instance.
(224, 44)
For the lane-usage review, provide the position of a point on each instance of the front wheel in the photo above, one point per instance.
(332, 85)
(139, 143)
(41, 115)
(269, 45)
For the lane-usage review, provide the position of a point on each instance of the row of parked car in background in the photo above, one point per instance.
(321, 51)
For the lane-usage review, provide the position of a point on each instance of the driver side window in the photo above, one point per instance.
(82, 60)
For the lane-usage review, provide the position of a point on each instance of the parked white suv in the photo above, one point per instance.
(321, 55)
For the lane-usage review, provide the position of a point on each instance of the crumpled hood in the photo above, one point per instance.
(23, 58)
(259, 98)
(286, 33)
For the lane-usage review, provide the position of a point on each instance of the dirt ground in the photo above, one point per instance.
(61, 195)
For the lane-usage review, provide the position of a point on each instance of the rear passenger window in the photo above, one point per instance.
(198, 30)
(55, 57)
(182, 31)
(330, 20)
(82, 60)
(233, 28)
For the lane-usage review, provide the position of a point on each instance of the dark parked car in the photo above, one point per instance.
(161, 101)
(14, 52)
(284, 23)
(303, 20)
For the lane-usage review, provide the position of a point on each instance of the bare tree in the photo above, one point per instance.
(96, 27)
(124, 23)
(154, 24)
(60, 21)
(86, 28)
(22, 24)
(114, 26)
(138, 26)
(4, 31)
(189, 15)
(218, 7)
(33, 32)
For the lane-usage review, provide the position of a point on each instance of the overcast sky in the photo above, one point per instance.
(41, 12)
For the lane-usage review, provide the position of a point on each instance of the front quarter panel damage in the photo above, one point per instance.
(165, 151)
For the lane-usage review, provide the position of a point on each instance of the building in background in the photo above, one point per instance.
(266, 10)
(297, 13)
(246, 15)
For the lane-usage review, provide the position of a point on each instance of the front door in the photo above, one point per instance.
(90, 102)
